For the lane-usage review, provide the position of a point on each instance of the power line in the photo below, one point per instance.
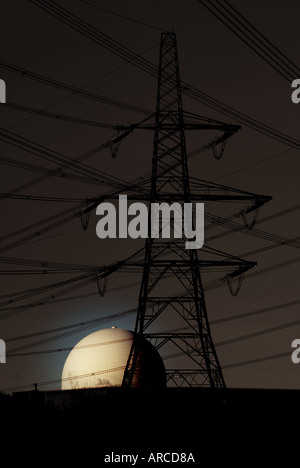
(241, 117)
(69, 214)
(258, 33)
(42, 151)
(250, 37)
(220, 282)
(105, 179)
(281, 241)
(79, 327)
(287, 242)
(226, 366)
(277, 240)
(256, 360)
(83, 296)
(104, 75)
(94, 34)
(64, 287)
(115, 47)
(54, 156)
(258, 333)
(57, 116)
(233, 226)
(48, 266)
(52, 222)
(146, 177)
(53, 381)
(68, 348)
(47, 269)
(14, 353)
(43, 198)
(80, 280)
(58, 172)
(213, 284)
(267, 158)
(134, 186)
(122, 314)
(124, 17)
(255, 312)
(71, 89)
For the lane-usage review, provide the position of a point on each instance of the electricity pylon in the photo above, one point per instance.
(171, 289)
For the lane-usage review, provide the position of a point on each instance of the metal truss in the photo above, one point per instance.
(171, 290)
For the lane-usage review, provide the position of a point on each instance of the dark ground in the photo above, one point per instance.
(233, 425)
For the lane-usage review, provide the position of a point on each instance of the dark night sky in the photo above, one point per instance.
(213, 60)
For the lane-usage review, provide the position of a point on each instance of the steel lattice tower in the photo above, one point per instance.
(165, 258)
(171, 282)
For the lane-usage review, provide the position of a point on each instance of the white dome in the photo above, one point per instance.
(99, 360)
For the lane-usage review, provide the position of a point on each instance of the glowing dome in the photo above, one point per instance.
(99, 360)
